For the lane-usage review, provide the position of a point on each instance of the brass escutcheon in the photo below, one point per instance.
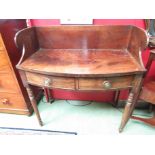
(106, 84)
(47, 82)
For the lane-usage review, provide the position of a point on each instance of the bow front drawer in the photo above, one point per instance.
(105, 83)
(50, 81)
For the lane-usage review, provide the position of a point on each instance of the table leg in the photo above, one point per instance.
(116, 98)
(131, 102)
(34, 103)
(51, 99)
(48, 96)
(150, 108)
(126, 113)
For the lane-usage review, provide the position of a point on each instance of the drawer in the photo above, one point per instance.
(11, 101)
(4, 66)
(7, 83)
(51, 81)
(105, 83)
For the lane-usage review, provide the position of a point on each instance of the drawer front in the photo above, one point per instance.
(105, 83)
(11, 101)
(7, 83)
(4, 66)
(51, 81)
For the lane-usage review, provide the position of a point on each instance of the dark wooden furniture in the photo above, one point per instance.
(148, 90)
(13, 96)
(83, 58)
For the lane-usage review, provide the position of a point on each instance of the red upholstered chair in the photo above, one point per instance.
(148, 90)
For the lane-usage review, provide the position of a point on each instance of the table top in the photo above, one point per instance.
(82, 62)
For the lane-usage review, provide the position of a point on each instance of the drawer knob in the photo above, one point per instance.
(5, 101)
(47, 82)
(106, 84)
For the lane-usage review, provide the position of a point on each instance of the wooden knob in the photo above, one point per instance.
(5, 101)
(47, 82)
(106, 84)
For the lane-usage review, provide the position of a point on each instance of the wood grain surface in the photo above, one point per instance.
(78, 62)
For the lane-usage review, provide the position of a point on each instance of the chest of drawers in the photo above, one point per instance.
(13, 96)
(11, 99)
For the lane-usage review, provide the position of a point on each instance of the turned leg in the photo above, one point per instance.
(116, 98)
(150, 108)
(48, 95)
(126, 113)
(130, 105)
(34, 104)
(131, 102)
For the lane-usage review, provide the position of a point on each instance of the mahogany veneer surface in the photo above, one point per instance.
(81, 62)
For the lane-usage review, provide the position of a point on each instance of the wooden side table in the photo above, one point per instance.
(83, 58)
